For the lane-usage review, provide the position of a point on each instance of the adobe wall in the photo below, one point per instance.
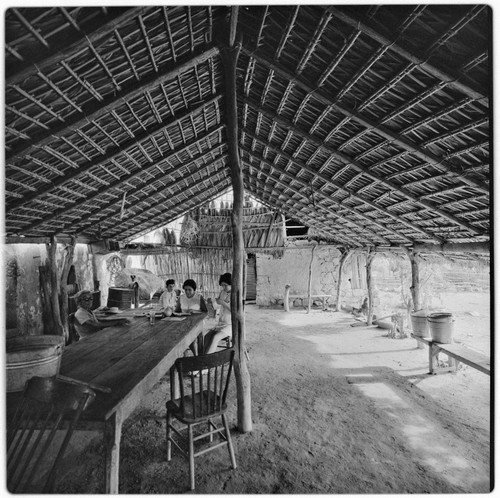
(23, 302)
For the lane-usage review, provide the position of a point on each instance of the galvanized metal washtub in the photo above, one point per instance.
(32, 355)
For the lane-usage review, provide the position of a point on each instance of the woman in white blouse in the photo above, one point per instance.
(191, 300)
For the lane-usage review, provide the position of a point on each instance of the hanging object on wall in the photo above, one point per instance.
(189, 231)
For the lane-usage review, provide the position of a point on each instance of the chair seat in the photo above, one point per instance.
(205, 406)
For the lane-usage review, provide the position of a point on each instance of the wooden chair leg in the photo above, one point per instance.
(229, 441)
(191, 456)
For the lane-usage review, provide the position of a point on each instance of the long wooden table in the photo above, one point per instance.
(129, 360)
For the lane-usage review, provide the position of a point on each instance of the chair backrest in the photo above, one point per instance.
(203, 382)
(34, 450)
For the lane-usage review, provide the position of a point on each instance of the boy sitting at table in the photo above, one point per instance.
(169, 298)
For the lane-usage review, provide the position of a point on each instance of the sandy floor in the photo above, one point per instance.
(335, 409)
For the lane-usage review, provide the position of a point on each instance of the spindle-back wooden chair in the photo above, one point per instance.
(203, 382)
(34, 448)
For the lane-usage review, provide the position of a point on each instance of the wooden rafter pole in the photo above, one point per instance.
(381, 130)
(335, 184)
(230, 59)
(98, 110)
(118, 151)
(453, 80)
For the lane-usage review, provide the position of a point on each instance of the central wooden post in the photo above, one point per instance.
(369, 285)
(230, 58)
(309, 285)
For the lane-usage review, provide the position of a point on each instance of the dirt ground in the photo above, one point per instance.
(336, 409)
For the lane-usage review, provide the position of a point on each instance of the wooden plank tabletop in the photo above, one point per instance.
(128, 359)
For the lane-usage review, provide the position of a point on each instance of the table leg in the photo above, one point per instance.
(112, 437)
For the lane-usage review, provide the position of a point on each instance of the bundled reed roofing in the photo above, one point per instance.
(368, 124)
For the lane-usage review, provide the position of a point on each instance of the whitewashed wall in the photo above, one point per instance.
(293, 268)
(21, 270)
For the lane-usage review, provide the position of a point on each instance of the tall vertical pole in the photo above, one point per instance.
(309, 285)
(415, 280)
(369, 285)
(230, 59)
(343, 257)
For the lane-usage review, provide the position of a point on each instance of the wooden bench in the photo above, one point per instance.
(324, 298)
(456, 353)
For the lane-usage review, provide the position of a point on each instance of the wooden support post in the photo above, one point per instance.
(369, 285)
(415, 280)
(343, 257)
(309, 285)
(54, 281)
(66, 266)
(230, 58)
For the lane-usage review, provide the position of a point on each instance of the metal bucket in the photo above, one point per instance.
(419, 324)
(32, 355)
(441, 326)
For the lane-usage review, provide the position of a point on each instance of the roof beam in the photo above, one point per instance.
(314, 220)
(352, 193)
(61, 54)
(147, 197)
(185, 210)
(473, 247)
(377, 127)
(199, 198)
(451, 80)
(305, 186)
(112, 154)
(124, 179)
(98, 109)
(361, 169)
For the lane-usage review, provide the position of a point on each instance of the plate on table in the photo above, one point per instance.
(114, 310)
(173, 318)
(181, 314)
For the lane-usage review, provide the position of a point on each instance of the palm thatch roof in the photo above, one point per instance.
(212, 227)
(368, 123)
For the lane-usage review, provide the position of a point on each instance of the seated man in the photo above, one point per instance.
(86, 323)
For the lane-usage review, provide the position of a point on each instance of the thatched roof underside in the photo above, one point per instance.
(369, 124)
(212, 227)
